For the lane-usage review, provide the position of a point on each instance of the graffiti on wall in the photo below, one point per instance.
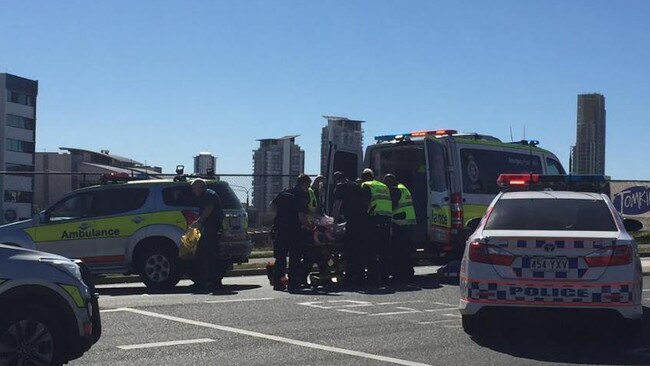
(631, 198)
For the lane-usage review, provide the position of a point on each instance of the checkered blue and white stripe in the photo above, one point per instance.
(559, 244)
(541, 293)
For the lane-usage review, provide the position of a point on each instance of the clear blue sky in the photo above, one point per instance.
(159, 81)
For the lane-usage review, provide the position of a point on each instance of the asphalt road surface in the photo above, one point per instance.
(247, 323)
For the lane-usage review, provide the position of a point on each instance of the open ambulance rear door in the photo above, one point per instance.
(342, 159)
(440, 216)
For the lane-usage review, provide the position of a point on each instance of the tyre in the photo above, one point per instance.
(30, 336)
(158, 267)
(472, 325)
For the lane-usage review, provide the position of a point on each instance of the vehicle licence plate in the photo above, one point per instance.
(549, 264)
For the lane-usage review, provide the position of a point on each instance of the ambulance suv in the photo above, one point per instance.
(451, 175)
(48, 308)
(551, 242)
(131, 227)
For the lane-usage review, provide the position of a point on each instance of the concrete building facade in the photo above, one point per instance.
(276, 164)
(345, 133)
(17, 146)
(588, 154)
(203, 162)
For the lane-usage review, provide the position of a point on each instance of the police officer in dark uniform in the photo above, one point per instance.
(401, 246)
(349, 203)
(290, 228)
(211, 267)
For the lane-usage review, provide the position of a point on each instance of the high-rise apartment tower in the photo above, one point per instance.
(588, 154)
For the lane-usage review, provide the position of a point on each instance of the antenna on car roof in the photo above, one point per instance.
(511, 139)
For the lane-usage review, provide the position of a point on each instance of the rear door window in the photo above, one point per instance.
(481, 168)
(116, 201)
(182, 196)
(437, 169)
(551, 214)
(554, 167)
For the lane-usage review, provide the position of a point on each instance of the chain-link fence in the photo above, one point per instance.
(29, 192)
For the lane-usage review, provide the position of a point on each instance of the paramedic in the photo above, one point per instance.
(290, 227)
(401, 246)
(211, 267)
(349, 203)
(377, 234)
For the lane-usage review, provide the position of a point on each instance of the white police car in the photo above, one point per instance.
(48, 308)
(549, 243)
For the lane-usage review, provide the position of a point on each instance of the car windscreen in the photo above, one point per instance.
(551, 214)
(181, 196)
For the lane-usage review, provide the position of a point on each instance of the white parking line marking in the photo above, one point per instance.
(352, 311)
(437, 321)
(445, 304)
(452, 315)
(336, 304)
(404, 308)
(412, 311)
(443, 309)
(399, 302)
(343, 351)
(112, 310)
(451, 326)
(165, 344)
(238, 300)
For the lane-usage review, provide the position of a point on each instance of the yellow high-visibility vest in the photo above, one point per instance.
(405, 205)
(380, 204)
(313, 202)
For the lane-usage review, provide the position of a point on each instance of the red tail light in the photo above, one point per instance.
(190, 216)
(457, 211)
(612, 256)
(483, 253)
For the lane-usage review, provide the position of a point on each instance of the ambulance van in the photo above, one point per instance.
(452, 178)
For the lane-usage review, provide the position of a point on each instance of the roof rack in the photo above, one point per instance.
(181, 177)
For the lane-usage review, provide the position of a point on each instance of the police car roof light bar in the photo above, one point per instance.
(575, 183)
(506, 181)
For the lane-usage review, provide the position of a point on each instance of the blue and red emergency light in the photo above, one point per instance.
(576, 183)
(415, 134)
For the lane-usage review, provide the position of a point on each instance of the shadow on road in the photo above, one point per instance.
(569, 338)
(124, 291)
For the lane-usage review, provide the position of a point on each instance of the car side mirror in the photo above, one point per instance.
(473, 223)
(632, 225)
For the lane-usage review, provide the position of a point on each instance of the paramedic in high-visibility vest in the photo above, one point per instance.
(315, 200)
(401, 246)
(377, 240)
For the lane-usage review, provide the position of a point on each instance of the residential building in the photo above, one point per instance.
(588, 154)
(345, 133)
(276, 165)
(17, 136)
(79, 168)
(204, 162)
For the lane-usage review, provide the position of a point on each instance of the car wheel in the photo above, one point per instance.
(159, 268)
(30, 337)
(472, 325)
